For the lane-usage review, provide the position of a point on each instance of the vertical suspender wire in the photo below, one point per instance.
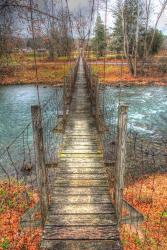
(105, 39)
(34, 49)
(71, 28)
(63, 25)
(97, 68)
(91, 19)
(89, 32)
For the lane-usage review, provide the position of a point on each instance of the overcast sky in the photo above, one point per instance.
(86, 6)
(76, 4)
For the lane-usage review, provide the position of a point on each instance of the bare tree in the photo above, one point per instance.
(163, 5)
(81, 24)
(137, 31)
(7, 28)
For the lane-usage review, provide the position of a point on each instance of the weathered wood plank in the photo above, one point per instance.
(81, 176)
(82, 151)
(121, 159)
(82, 245)
(83, 156)
(88, 163)
(91, 208)
(80, 199)
(81, 233)
(81, 160)
(81, 147)
(82, 220)
(80, 142)
(81, 190)
(77, 170)
(80, 183)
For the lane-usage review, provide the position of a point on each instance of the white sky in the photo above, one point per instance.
(86, 4)
(76, 4)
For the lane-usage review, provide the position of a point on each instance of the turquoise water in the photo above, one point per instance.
(147, 108)
(15, 109)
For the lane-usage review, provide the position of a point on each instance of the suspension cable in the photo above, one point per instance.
(34, 50)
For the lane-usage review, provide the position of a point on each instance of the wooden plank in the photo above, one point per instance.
(81, 190)
(80, 142)
(81, 233)
(82, 151)
(77, 199)
(82, 156)
(81, 176)
(82, 245)
(77, 170)
(81, 164)
(81, 138)
(82, 220)
(81, 208)
(80, 183)
(81, 147)
(81, 160)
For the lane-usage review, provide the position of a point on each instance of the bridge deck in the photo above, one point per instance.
(81, 215)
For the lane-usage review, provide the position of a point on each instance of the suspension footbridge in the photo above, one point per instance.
(81, 215)
(74, 167)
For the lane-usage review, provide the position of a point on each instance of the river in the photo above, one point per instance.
(147, 108)
(147, 113)
(15, 109)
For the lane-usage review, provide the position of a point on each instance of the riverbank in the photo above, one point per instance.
(23, 70)
(135, 82)
(13, 204)
(119, 75)
(41, 84)
(148, 196)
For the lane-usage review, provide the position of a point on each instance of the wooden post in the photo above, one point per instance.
(41, 172)
(121, 158)
(96, 103)
(64, 100)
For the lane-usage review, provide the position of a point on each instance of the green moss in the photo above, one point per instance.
(138, 242)
(163, 215)
(5, 244)
(2, 192)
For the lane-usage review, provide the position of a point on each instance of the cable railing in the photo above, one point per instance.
(28, 166)
(137, 171)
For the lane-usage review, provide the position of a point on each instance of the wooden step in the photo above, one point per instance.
(80, 190)
(82, 245)
(82, 220)
(81, 176)
(80, 170)
(81, 147)
(80, 183)
(78, 199)
(81, 233)
(80, 151)
(91, 208)
(81, 156)
(78, 159)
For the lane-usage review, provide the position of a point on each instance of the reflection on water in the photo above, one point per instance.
(15, 109)
(147, 108)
